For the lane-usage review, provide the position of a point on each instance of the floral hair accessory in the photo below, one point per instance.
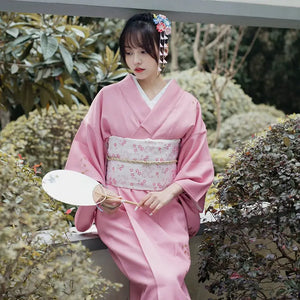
(163, 26)
(162, 23)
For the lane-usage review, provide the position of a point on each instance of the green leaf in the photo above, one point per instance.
(78, 32)
(65, 96)
(72, 41)
(67, 58)
(78, 95)
(61, 28)
(92, 39)
(14, 32)
(81, 67)
(49, 46)
(286, 141)
(27, 97)
(118, 74)
(14, 68)
(26, 51)
(21, 40)
(57, 72)
(47, 73)
(39, 75)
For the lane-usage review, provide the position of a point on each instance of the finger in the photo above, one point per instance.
(142, 202)
(150, 203)
(156, 209)
(99, 200)
(153, 205)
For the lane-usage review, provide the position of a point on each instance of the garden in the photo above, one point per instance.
(246, 80)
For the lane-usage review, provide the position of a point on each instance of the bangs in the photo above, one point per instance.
(134, 39)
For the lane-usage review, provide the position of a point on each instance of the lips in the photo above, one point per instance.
(138, 70)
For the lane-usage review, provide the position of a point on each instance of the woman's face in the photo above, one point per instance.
(142, 64)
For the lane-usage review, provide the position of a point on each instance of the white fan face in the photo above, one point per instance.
(69, 187)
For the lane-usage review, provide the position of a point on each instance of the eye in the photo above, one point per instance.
(143, 51)
(128, 53)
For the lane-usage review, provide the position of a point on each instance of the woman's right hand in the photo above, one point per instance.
(108, 200)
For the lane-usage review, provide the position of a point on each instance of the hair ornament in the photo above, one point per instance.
(162, 23)
(163, 26)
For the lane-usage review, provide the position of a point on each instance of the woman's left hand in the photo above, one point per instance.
(156, 200)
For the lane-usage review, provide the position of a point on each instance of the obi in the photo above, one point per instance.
(141, 164)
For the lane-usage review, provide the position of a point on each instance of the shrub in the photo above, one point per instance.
(252, 251)
(271, 110)
(44, 137)
(241, 127)
(30, 266)
(51, 60)
(199, 84)
(220, 158)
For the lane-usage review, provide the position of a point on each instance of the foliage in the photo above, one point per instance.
(271, 110)
(47, 59)
(252, 251)
(271, 72)
(32, 267)
(220, 158)
(199, 84)
(44, 137)
(109, 30)
(241, 127)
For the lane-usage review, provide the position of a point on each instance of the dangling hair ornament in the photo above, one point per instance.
(163, 26)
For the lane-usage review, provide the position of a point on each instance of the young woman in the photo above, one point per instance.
(144, 140)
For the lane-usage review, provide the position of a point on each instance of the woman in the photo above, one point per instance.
(144, 140)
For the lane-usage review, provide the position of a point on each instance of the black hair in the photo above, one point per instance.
(140, 31)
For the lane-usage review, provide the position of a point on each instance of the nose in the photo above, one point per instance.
(136, 58)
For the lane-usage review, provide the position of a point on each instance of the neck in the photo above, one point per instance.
(152, 86)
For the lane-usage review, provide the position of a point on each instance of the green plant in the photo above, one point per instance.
(240, 127)
(46, 59)
(43, 137)
(252, 251)
(200, 85)
(220, 158)
(271, 72)
(271, 110)
(30, 266)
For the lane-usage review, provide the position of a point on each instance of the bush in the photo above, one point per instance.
(199, 84)
(51, 60)
(44, 137)
(271, 110)
(241, 127)
(220, 158)
(252, 251)
(30, 266)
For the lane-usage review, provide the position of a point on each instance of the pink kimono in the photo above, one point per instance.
(152, 251)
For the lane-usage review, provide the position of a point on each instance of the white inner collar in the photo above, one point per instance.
(150, 102)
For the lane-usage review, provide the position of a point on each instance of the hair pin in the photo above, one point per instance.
(163, 26)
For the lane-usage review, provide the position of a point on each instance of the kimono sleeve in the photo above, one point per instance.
(87, 156)
(195, 170)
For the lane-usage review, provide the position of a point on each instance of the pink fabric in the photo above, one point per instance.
(152, 251)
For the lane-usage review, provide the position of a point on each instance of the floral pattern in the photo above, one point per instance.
(132, 163)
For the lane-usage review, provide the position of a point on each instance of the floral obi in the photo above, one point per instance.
(141, 164)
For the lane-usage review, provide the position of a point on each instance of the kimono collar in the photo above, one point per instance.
(149, 119)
